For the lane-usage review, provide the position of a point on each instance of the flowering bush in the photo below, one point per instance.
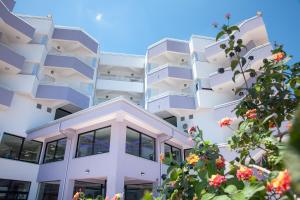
(269, 102)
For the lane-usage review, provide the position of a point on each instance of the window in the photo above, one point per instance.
(12, 189)
(59, 113)
(182, 118)
(49, 110)
(17, 148)
(93, 142)
(139, 144)
(187, 152)
(55, 150)
(48, 190)
(39, 106)
(174, 152)
(191, 116)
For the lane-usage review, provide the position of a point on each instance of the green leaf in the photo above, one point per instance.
(244, 61)
(220, 34)
(234, 28)
(222, 197)
(233, 64)
(230, 189)
(208, 196)
(173, 175)
(234, 75)
(250, 190)
(238, 196)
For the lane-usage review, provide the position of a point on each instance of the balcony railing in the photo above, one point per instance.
(85, 89)
(6, 97)
(15, 22)
(11, 58)
(69, 62)
(121, 78)
(75, 34)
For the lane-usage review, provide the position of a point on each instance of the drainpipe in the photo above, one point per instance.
(160, 163)
(68, 161)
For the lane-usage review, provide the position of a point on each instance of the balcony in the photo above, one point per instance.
(169, 73)
(10, 4)
(6, 97)
(224, 80)
(64, 93)
(9, 60)
(76, 35)
(171, 100)
(13, 26)
(71, 63)
(118, 83)
(251, 29)
(226, 109)
(209, 98)
(168, 49)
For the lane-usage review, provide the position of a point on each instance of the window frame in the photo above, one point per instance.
(93, 144)
(140, 144)
(172, 146)
(10, 181)
(45, 152)
(21, 148)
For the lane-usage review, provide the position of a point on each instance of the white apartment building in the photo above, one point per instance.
(74, 118)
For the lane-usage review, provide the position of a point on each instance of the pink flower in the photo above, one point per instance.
(244, 173)
(250, 114)
(225, 122)
(216, 180)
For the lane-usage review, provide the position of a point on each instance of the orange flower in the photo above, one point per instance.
(250, 114)
(192, 159)
(244, 173)
(225, 122)
(220, 162)
(278, 56)
(281, 183)
(192, 130)
(76, 196)
(216, 180)
(162, 157)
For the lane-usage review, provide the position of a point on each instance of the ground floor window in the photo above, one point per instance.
(172, 152)
(136, 191)
(91, 190)
(13, 189)
(139, 144)
(17, 148)
(48, 191)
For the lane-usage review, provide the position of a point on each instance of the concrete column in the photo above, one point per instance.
(115, 184)
(115, 178)
(66, 190)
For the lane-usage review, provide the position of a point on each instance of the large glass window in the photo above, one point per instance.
(48, 191)
(172, 152)
(93, 142)
(139, 144)
(12, 189)
(17, 148)
(55, 150)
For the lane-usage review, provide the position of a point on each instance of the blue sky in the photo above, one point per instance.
(129, 26)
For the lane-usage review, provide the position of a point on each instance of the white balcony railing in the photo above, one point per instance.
(169, 93)
(154, 68)
(83, 89)
(121, 78)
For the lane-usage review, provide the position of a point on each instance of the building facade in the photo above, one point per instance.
(74, 118)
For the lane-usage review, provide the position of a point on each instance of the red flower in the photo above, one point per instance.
(216, 180)
(225, 122)
(278, 56)
(192, 130)
(220, 162)
(281, 183)
(244, 173)
(250, 114)
(272, 124)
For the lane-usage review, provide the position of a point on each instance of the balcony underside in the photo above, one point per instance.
(10, 62)
(6, 97)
